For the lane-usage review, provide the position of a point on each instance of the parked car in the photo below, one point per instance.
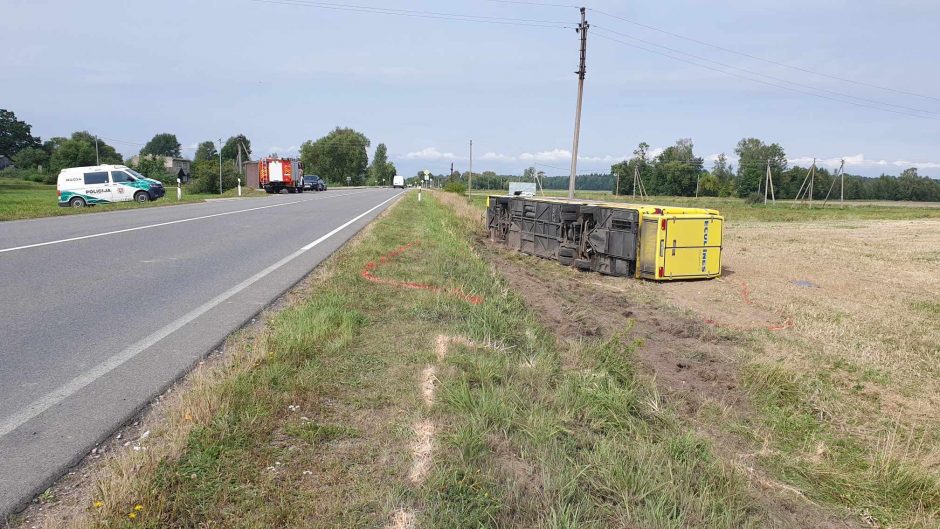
(314, 183)
(78, 187)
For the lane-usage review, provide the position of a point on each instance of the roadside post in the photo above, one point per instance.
(239, 186)
(179, 189)
(348, 180)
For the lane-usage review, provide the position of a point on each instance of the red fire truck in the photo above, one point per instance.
(275, 174)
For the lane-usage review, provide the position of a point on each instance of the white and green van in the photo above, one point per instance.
(78, 187)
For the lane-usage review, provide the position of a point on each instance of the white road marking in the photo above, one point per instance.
(71, 387)
(115, 232)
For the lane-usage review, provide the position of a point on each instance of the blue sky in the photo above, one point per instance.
(283, 74)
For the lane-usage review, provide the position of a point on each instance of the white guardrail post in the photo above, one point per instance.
(239, 186)
(179, 189)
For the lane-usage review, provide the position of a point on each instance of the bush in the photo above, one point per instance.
(206, 176)
(455, 187)
(754, 198)
(32, 175)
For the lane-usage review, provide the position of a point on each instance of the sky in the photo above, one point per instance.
(286, 71)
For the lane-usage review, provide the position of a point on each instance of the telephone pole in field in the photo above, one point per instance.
(582, 30)
(470, 177)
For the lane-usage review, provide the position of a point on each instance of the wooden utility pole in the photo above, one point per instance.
(582, 29)
(635, 176)
(638, 184)
(769, 184)
(841, 176)
(470, 176)
(806, 191)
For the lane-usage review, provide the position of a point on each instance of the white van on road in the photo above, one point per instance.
(78, 187)
(398, 181)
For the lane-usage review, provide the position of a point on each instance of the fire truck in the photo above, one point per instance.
(276, 174)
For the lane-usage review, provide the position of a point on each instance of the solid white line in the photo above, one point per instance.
(92, 236)
(71, 387)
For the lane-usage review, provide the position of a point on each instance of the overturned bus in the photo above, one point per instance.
(661, 243)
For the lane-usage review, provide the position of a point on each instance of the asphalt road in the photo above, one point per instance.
(99, 313)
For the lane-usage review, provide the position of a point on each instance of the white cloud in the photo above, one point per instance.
(554, 155)
(497, 157)
(919, 165)
(607, 158)
(431, 154)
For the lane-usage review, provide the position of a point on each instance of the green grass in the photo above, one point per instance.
(22, 199)
(831, 465)
(783, 211)
(318, 433)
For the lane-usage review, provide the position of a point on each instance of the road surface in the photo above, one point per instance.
(99, 313)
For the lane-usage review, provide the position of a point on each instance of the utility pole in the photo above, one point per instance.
(97, 158)
(582, 29)
(769, 185)
(841, 177)
(842, 185)
(470, 178)
(220, 166)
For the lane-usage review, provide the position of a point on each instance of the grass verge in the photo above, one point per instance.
(22, 199)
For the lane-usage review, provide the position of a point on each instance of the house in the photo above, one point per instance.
(5, 162)
(179, 167)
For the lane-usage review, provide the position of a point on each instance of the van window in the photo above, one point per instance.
(120, 176)
(96, 178)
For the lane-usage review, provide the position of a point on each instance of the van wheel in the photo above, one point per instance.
(77, 202)
(142, 196)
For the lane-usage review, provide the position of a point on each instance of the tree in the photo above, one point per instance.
(79, 150)
(339, 155)
(753, 156)
(230, 149)
(205, 151)
(164, 144)
(724, 176)
(206, 176)
(676, 170)
(640, 163)
(381, 170)
(31, 158)
(15, 134)
(153, 167)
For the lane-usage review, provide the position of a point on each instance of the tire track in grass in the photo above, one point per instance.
(424, 431)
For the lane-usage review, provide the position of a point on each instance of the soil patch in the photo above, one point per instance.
(689, 360)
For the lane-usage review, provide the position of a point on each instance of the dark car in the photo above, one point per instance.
(314, 183)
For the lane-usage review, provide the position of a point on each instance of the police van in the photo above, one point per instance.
(78, 187)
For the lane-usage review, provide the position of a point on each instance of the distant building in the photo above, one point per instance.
(179, 167)
(5, 162)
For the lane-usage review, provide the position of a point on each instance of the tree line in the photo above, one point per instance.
(339, 157)
(678, 171)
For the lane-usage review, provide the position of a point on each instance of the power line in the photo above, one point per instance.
(784, 87)
(758, 58)
(423, 14)
(810, 87)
